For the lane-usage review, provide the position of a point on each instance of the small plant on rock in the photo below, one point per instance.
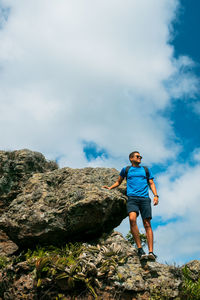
(143, 239)
(75, 267)
(190, 287)
(3, 261)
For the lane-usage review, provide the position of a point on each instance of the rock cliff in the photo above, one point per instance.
(57, 242)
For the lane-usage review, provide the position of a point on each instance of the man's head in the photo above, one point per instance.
(135, 158)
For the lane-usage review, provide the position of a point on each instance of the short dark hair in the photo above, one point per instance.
(132, 154)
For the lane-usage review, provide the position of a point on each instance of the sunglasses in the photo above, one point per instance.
(138, 156)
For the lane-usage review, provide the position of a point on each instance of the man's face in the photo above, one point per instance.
(136, 158)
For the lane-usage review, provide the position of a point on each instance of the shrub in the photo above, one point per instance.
(143, 239)
(190, 288)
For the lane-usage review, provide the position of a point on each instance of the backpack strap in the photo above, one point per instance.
(147, 173)
(126, 171)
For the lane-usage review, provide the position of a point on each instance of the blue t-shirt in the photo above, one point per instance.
(136, 181)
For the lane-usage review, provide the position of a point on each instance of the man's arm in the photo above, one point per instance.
(116, 184)
(154, 191)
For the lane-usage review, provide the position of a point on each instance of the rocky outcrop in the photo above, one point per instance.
(130, 274)
(43, 205)
(16, 167)
(60, 205)
(108, 268)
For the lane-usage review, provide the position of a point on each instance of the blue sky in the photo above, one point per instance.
(186, 42)
(86, 88)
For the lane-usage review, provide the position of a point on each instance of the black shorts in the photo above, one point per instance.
(140, 204)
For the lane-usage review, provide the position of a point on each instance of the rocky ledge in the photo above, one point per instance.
(57, 239)
(107, 268)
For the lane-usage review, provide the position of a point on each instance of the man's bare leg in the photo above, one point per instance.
(149, 233)
(134, 228)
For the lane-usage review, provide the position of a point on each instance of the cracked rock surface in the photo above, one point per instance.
(58, 205)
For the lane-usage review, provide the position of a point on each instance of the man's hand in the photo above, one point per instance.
(153, 188)
(117, 183)
(155, 200)
(106, 187)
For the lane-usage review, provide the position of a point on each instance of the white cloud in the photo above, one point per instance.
(196, 155)
(74, 71)
(179, 192)
(196, 107)
(184, 82)
(178, 242)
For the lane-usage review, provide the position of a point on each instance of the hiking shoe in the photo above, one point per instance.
(142, 255)
(152, 256)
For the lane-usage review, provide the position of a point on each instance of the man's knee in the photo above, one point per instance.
(147, 223)
(133, 218)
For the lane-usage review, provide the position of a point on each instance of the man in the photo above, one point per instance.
(139, 201)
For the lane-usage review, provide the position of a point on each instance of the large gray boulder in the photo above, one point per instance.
(16, 167)
(64, 204)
